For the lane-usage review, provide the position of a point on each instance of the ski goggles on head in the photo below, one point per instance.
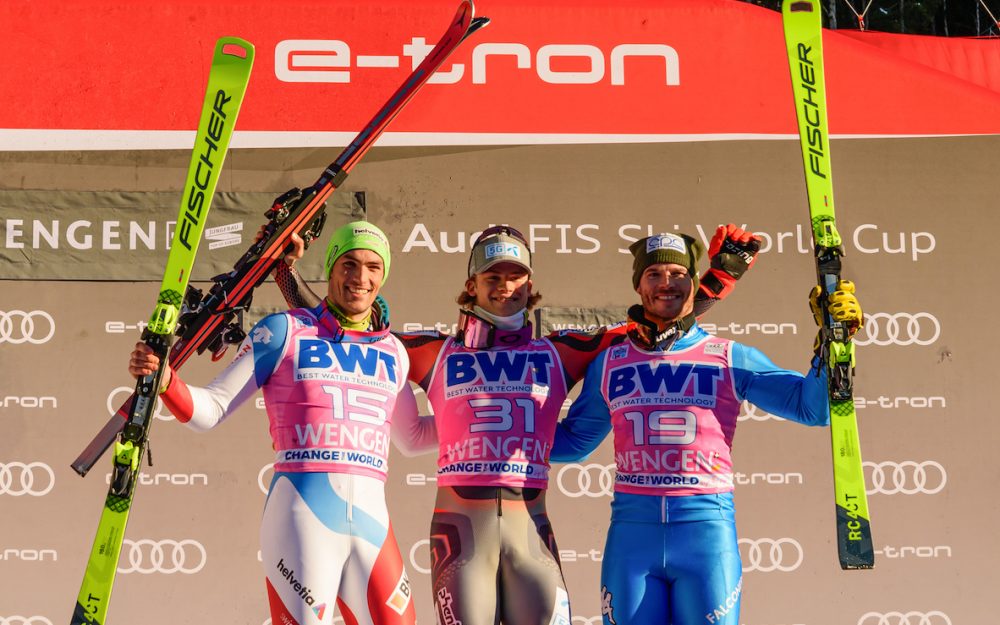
(499, 244)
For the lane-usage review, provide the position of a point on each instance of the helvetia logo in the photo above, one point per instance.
(303, 592)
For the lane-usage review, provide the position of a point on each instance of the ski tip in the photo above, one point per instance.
(478, 23)
(235, 47)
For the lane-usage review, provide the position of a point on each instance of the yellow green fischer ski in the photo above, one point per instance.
(804, 40)
(227, 83)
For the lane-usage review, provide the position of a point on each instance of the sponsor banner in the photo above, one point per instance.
(579, 73)
(124, 235)
(551, 319)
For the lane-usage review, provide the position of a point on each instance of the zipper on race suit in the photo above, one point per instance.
(499, 503)
(350, 499)
(663, 509)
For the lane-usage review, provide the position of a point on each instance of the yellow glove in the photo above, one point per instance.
(842, 305)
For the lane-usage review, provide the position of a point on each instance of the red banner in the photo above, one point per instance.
(104, 74)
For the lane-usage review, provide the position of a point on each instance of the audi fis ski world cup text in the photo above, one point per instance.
(333, 61)
(591, 238)
(116, 235)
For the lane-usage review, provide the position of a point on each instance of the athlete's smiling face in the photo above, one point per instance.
(667, 292)
(502, 290)
(355, 281)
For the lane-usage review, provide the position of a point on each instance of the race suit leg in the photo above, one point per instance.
(678, 565)
(325, 537)
(494, 558)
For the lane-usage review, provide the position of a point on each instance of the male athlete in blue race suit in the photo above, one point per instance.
(672, 395)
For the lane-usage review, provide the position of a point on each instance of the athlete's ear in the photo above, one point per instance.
(470, 286)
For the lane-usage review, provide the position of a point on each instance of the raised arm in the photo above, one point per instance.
(731, 252)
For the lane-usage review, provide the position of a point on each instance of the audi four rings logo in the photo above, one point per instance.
(906, 478)
(260, 477)
(24, 620)
(18, 326)
(766, 555)
(749, 412)
(421, 547)
(586, 480)
(34, 478)
(163, 556)
(905, 618)
(899, 329)
(121, 394)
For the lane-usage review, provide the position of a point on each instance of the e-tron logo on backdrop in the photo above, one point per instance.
(24, 620)
(120, 395)
(934, 617)
(905, 478)
(33, 478)
(586, 480)
(902, 329)
(167, 556)
(19, 326)
(766, 555)
(330, 61)
(419, 479)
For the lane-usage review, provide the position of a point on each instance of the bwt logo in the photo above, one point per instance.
(586, 480)
(121, 394)
(34, 478)
(934, 617)
(498, 366)
(905, 478)
(901, 329)
(331, 61)
(24, 620)
(146, 556)
(18, 327)
(347, 357)
(766, 555)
